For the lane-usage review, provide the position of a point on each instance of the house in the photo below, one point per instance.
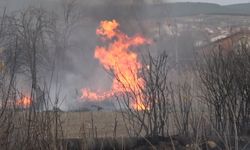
(227, 43)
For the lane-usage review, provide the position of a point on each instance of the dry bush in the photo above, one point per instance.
(224, 76)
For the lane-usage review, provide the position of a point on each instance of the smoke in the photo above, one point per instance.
(76, 67)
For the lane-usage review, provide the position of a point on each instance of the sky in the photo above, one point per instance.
(222, 2)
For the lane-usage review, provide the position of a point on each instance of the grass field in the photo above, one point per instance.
(75, 124)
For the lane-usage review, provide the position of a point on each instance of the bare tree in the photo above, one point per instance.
(182, 101)
(7, 83)
(224, 76)
(153, 100)
(26, 54)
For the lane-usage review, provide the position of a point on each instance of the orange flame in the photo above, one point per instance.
(24, 102)
(124, 63)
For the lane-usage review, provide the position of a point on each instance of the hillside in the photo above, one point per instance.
(113, 10)
(165, 10)
(182, 9)
(190, 9)
(241, 8)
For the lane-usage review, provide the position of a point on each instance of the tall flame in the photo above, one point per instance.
(124, 63)
(24, 102)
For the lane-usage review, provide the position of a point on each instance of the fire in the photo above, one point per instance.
(24, 101)
(124, 63)
(97, 96)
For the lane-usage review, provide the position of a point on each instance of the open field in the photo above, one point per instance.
(102, 123)
(74, 124)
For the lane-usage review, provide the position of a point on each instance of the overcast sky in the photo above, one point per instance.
(222, 2)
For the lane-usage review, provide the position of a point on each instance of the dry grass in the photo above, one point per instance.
(76, 123)
(99, 124)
